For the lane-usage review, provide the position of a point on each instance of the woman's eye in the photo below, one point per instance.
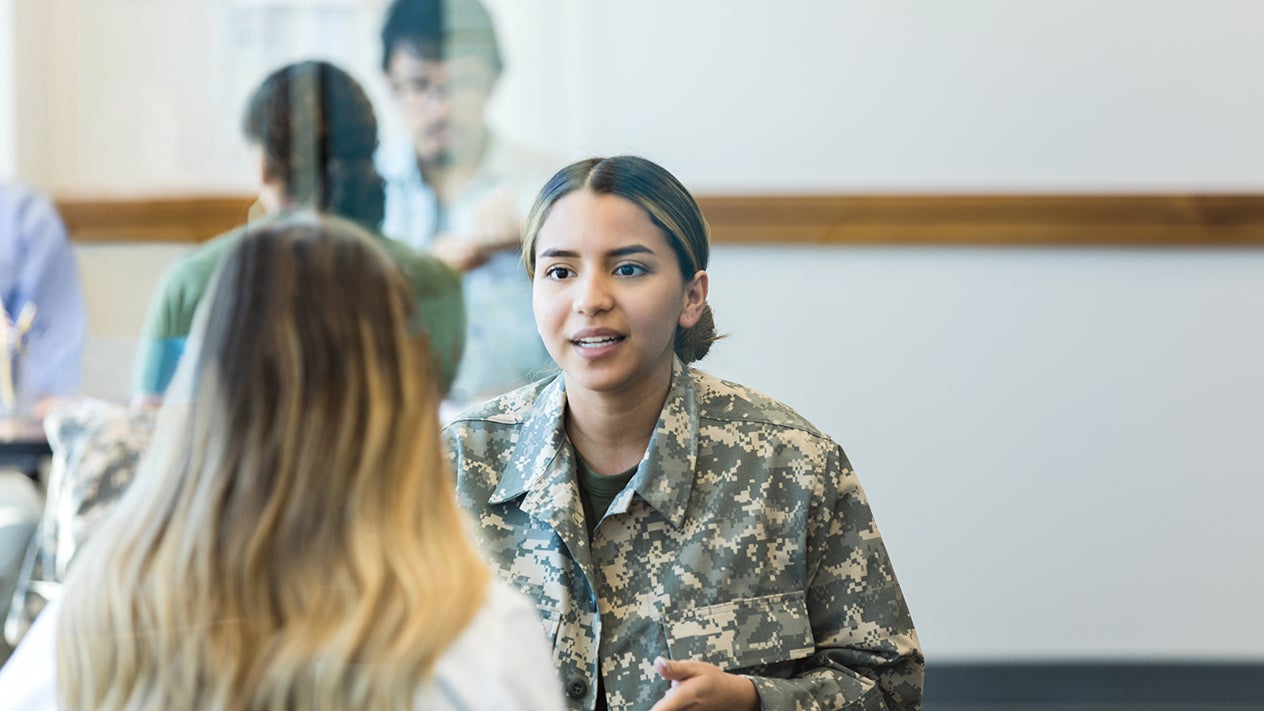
(558, 273)
(629, 270)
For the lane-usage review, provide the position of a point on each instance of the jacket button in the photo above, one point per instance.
(577, 687)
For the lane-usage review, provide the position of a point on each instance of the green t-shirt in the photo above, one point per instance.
(170, 317)
(597, 491)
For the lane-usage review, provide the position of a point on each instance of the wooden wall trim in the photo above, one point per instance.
(990, 220)
(927, 220)
(152, 219)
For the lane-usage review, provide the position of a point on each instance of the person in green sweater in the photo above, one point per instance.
(314, 134)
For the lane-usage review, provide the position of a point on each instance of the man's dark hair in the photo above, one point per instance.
(437, 30)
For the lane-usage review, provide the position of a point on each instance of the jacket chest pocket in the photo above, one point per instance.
(742, 633)
(551, 621)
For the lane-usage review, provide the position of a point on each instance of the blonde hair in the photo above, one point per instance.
(665, 201)
(294, 541)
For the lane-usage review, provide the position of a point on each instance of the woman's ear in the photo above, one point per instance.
(271, 190)
(695, 300)
(261, 165)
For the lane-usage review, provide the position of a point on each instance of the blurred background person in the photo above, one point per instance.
(44, 326)
(315, 134)
(458, 190)
(292, 540)
(38, 276)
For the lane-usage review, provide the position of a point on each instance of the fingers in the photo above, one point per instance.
(688, 684)
(459, 254)
(677, 670)
(700, 686)
(495, 224)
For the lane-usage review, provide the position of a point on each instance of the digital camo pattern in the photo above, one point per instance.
(743, 540)
(96, 448)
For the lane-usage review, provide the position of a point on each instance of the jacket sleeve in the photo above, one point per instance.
(867, 652)
(166, 329)
(50, 281)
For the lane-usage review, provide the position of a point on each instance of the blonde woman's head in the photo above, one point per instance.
(292, 541)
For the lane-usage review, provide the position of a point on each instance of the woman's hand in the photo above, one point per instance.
(460, 254)
(494, 223)
(698, 685)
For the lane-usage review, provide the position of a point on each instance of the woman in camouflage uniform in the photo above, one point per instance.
(689, 542)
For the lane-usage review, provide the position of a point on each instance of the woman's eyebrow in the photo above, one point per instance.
(630, 249)
(569, 254)
(619, 252)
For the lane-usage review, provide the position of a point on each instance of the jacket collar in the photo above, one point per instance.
(533, 464)
(542, 463)
(665, 475)
(542, 467)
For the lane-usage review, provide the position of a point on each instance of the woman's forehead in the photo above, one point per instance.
(584, 221)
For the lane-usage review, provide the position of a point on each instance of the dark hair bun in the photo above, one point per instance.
(693, 344)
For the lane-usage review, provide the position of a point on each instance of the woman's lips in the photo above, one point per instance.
(597, 345)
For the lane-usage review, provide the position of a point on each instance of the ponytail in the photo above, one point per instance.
(354, 190)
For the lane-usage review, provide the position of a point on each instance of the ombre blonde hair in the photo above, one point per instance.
(292, 541)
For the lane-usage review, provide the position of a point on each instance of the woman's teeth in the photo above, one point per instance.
(597, 342)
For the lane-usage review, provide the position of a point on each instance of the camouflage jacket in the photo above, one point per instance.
(743, 540)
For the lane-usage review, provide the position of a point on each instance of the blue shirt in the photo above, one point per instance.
(502, 348)
(37, 266)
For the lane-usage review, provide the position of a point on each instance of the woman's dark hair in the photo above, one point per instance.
(317, 131)
(665, 201)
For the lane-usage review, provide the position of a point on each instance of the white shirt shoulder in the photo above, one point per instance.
(500, 661)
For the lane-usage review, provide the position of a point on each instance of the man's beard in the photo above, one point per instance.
(443, 158)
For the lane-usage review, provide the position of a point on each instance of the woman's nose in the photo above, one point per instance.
(592, 295)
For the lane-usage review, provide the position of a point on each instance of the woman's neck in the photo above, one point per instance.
(610, 432)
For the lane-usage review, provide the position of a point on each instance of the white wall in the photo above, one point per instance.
(8, 94)
(1061, 445)
(878, 95)
(147, 97)
(803, 95)
(117, 281)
